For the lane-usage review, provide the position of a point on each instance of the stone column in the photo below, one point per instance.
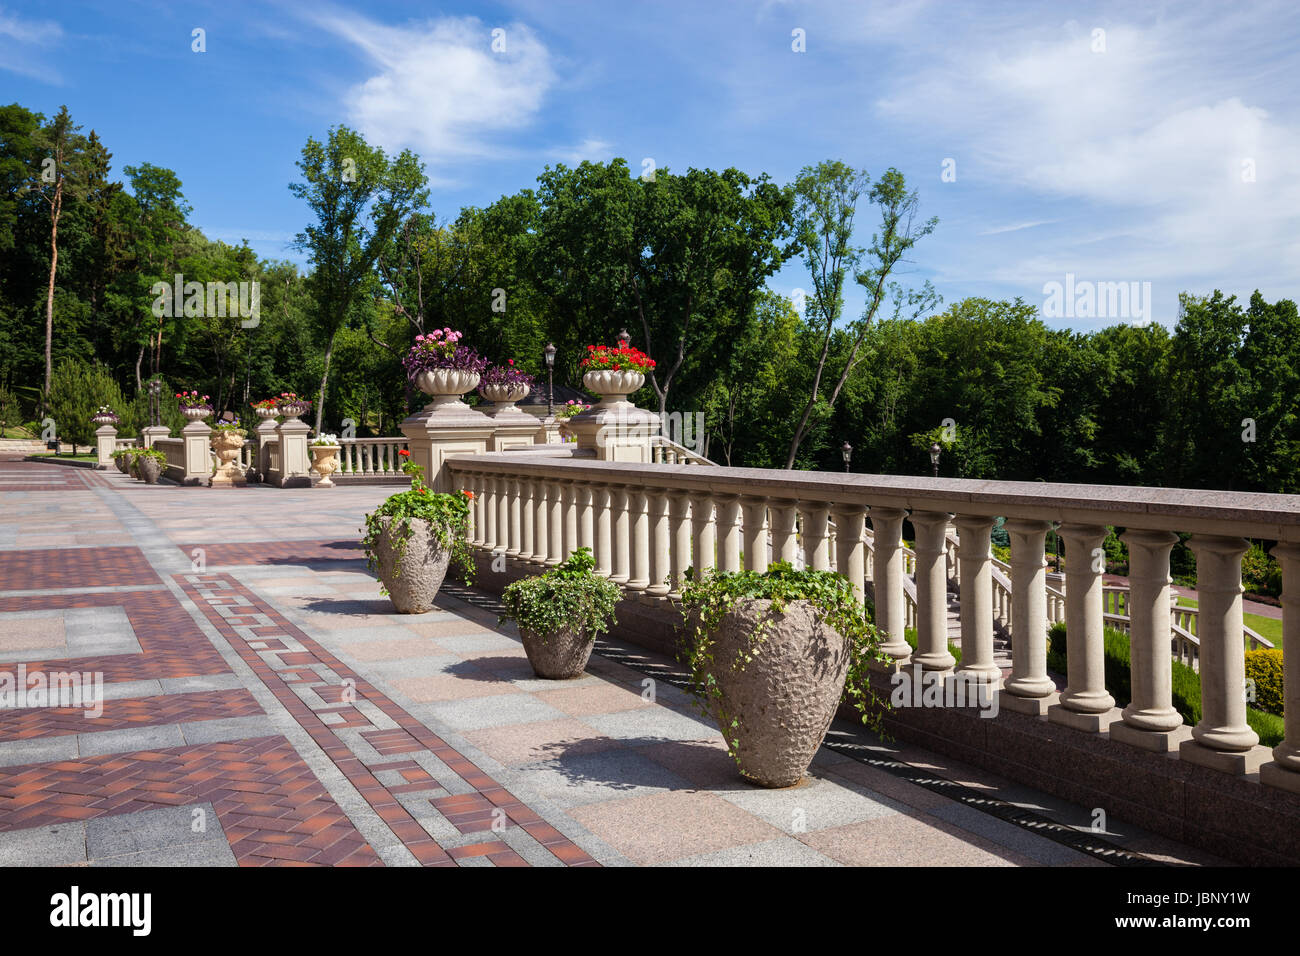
(490, 513)
(198, 455)
(151, 433)
(639, 518)
(475, 483)
(586, 516)
(265, 434)
(1085, 703)
(785, 543)
(816, 536)
(503, 514)
(679, 532)
(1284, 771)
(528, 517)
(555, 524)
(728, 532)
(295, 461)
(1150, 720)
(105, 445)
(603, 548)
(515, 519)
(1222, 739)
(891, 606)
(660, 564)
(445, 427)
(975, 565)
(931, 592)
(621, 535)
(703, 536)
(850, 551)
(541, 521)
(755, 546)
(570, 504)
(1029, 690)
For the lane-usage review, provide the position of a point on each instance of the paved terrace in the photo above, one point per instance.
(265, 706)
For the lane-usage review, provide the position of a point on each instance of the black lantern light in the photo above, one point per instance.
(846, 452)
(550, 379)
(935, 451)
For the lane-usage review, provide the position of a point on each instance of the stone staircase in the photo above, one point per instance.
(1001, 641)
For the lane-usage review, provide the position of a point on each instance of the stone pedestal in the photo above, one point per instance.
(295, 461)
(197, 436)
(151, 433)
(265, 435)
(512, 428)
(446, 427)
(105, 444)
(615, 429)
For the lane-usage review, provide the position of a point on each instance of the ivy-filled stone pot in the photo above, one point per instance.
(771, 655)
(561, 613)
(413, 537)
(150, 464)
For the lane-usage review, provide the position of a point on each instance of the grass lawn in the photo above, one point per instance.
(1266, 627)
(88, 456)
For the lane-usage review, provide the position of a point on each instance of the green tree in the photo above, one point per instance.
(359, 198)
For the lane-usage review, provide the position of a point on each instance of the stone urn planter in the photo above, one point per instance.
(149, 469)
(265, 413)
(123, 463)
(559, 655)
(291, 410)
(784, 699)
(446, 385)
(413, 573)
(228, 443)
(196, 413)
(105, 419)
(324, 462)
(504, 397)
(613, 387)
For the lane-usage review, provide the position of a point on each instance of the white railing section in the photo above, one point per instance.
(665, 451)
(647, 524)
(174, 449)
(370, 457)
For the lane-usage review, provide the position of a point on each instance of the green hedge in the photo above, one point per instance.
(1264, 667)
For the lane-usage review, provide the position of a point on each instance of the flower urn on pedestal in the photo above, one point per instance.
(228, 443)
(614, 428)
(324, 453)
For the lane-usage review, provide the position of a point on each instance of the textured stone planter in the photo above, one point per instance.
(412, 578)
(786, 697)
(612, 387)
(324, 462)
(561, 655)
(123, 464)
(503, 397)
(149, 469)
(228, 443)
(196, 413)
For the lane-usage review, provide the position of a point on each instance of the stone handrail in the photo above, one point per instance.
(648, 523)
(665, 451)
(370, 457)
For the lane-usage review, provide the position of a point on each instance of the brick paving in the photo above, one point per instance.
(252, 667)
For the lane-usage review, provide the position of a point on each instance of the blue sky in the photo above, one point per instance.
(1163, 149)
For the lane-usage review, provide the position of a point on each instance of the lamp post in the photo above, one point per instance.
(846, 452)
(935, 451)
(155, 411)
(550, 379)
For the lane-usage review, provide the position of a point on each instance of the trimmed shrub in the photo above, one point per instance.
(1264, 667)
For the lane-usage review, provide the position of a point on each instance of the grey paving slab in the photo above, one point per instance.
(475, 713)
(648, 725)
(121, 690)
(815, 805)
(207, 853)
(228, 728)
(60, 844)
(40, 750)
(152, 830)
(426, 665)
(471, 643)
(593, 777)
(130, 739)
(190, 685)
(1008, 835)
(784, 851)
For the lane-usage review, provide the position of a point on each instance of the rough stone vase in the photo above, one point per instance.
(123, 464)
(149, 468)
(560, 655)
(785, 698)
(413, 577)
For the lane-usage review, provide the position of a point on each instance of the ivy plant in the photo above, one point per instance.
(707, 598)
(447, 514)
(570, 596)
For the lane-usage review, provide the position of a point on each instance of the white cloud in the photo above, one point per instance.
(440, 87)
(17, 37)
(1016, 227)
(591, 148)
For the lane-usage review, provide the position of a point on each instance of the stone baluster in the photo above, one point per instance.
(541, 521)
(1085, 703)
(755, 546)
(1222, 739)
(850, 523)
(1029, 690)
(703, 533)
(1150, 720)
(555, 523)
(639, 518)
(1284, 771)
(891, 604)
(570, 492)
(931, 592)
(527, 516)
(728, 511)
(785, 543)
(586, 516)
(975, 566)
(490, 514)
(515, 537)
(679, 532)
(476, 509)
(660, 543)
(816, 538)
(621, 534)
(602, 547)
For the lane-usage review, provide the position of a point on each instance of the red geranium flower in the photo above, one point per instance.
(404, 453)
